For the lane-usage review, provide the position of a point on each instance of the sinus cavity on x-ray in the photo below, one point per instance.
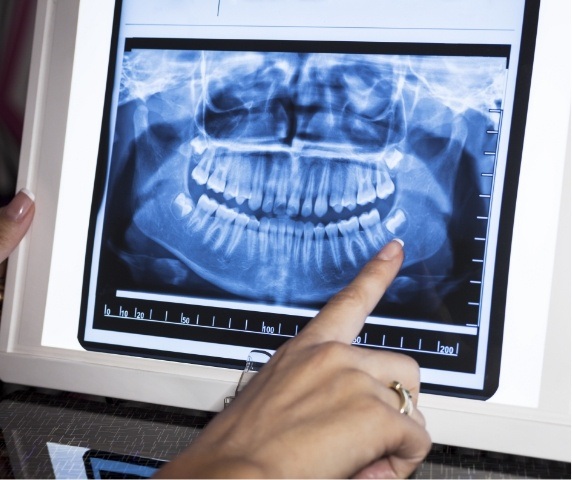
(249, 181)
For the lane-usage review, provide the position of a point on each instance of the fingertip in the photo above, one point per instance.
(20, 205)
(29, 193)
(391, 250)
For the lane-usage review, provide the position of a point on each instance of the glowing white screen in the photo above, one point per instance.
(220, 21)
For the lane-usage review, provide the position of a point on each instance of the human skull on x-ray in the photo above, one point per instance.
(276, 176)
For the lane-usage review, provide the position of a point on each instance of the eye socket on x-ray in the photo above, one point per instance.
(274, 176)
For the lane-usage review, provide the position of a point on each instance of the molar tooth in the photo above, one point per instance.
(393, 158)
(333, 241)
(396, 222)
(201, 172)
(384, 185)
(255, 200)
(366, 191)
(321, 205)
(182, 205)
(217, 181)
(371, 224)
(350, 234)
(237, 231)
(222, 224)
(205, 208)
(199, 144)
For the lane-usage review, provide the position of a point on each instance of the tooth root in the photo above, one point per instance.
(231, 190)
(333, 241)
(286, 227)
(307, 246)
(283, 241)
(201, 172)
(264, 236)
(366, 191)
(337, 181)
(252, 237)
(182, 205)
(268, 203)
(384, 186)
(293, 208)
(321, 206)
(396, 222)
(275, 243)
(351, 236)
(297, 245)
(238, 228)
(350, 189)
(309, 198)
(319, 234)
(221, 225)
(281, 200)
(371, 225)
(270, 188)
(255, 200)
(217, 181)
(244, 178)
(205, 209)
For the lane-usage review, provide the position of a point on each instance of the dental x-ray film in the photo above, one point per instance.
(243, 181)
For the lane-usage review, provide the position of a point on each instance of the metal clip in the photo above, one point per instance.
(255, 361)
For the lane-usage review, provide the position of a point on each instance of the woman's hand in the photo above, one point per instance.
(320, 407)
(15, 219)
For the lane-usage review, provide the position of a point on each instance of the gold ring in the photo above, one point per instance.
(406, 406)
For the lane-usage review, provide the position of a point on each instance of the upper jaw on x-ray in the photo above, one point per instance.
(276, 176)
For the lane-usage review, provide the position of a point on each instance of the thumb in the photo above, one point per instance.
(15, 219)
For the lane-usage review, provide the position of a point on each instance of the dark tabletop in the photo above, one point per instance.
(64, 435)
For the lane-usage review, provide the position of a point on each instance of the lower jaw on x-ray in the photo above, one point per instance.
(264, 178)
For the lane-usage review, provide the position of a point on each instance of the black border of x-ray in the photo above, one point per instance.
(505, 232)
(309, 46)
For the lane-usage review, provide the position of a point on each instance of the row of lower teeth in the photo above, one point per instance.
(226, 227)
(277, 184)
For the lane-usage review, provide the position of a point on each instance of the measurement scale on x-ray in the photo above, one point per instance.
(436, 346)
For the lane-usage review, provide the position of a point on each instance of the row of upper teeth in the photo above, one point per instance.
(277, 184)
(225, 229)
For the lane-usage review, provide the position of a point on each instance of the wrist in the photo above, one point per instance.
(195, 465)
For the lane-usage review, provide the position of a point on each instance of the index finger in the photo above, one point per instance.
(342, 318)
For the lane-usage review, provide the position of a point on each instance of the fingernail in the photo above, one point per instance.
(391, 250)
(20, 205)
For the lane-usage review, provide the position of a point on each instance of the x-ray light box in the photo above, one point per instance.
(209, 173)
